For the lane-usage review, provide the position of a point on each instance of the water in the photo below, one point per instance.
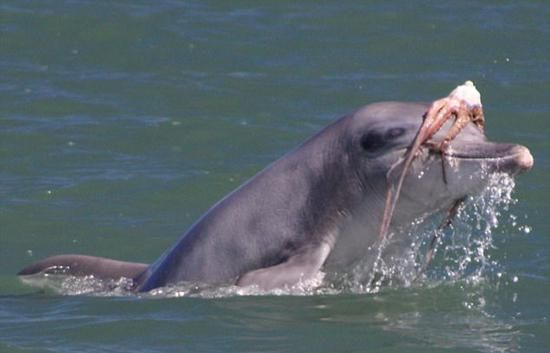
(121, 122)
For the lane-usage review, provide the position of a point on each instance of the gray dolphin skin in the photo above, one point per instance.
(319, 207)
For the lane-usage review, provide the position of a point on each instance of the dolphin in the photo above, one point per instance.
(317, 208)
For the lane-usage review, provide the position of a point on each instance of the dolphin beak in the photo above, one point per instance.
(501, 157)
(523, 158)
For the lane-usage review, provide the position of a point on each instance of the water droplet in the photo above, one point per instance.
(526, 229)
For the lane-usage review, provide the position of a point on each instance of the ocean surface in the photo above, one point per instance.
(122, 121)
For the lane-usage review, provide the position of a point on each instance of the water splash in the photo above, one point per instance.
(462, 251)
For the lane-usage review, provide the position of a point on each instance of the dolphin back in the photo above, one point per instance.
(83, 265)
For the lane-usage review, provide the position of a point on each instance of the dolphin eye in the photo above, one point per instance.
(394, 132)
(375, 140)
(372, 141)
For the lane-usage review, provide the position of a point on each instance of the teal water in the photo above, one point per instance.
(121, 122)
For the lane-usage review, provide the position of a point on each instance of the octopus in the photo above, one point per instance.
(463, 105)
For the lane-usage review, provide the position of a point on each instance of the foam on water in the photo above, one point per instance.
(462, 253)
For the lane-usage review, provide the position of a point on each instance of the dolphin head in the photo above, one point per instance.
(382, 132)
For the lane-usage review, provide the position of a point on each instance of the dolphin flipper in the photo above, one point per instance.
(82, 265)
(299, 267)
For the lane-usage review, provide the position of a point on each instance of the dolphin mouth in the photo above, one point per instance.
(504, 157)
